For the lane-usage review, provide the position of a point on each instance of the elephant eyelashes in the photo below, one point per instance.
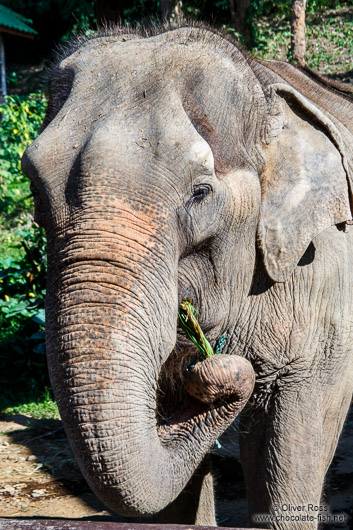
(200, 192)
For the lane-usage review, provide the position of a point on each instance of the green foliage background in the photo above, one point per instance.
(55, 20)
(22, 257)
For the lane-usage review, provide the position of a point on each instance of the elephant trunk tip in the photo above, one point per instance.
(208, 393)
(222, 378)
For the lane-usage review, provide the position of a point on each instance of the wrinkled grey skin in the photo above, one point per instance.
(135, 126)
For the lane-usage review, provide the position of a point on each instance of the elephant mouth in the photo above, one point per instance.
(201, 396)
(174, 404)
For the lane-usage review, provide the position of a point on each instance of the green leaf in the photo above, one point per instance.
(40, 317)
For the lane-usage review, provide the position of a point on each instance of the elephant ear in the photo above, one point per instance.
(306, 183)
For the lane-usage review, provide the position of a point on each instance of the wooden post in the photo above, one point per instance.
(2, 67)
(297, 22)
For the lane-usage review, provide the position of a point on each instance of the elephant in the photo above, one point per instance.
(173, 166)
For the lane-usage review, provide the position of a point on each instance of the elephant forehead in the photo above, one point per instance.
(123, 71)
(154, 134)
(168, 99)
(157, 80)
(154, 54)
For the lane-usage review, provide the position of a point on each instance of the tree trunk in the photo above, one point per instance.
(239, 13)
(297, 21)
(233, 14)
(2, 68)
(171, 9)
(110, 11)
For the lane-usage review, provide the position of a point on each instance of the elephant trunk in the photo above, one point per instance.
(111, 325)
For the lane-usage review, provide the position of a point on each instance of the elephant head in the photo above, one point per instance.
(158, 175)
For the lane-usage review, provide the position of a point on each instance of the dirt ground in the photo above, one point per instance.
(39, 478)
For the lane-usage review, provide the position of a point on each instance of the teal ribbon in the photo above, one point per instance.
(220, 343)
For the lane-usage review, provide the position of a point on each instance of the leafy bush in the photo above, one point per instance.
(268, 7)
(329, 46)
(22, 292)
(22, 255)
(21, 119)
(43, 408)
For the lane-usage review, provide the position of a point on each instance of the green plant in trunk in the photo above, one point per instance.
(191, 327)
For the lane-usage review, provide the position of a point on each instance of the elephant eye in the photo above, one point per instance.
(200, 192)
